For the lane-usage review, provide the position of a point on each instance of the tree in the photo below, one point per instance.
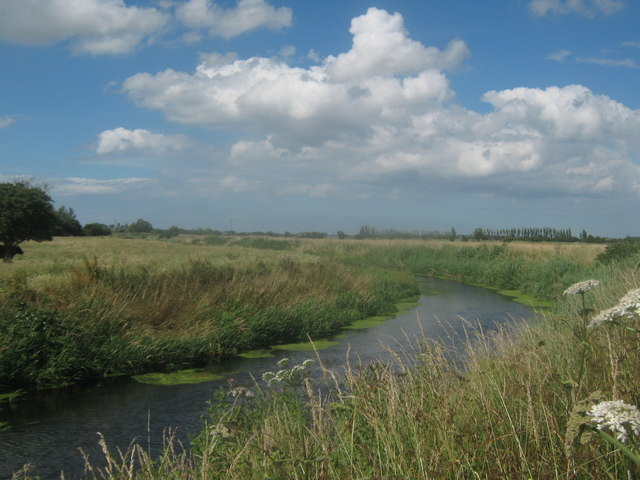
(453, 234)
(68, 224)
(26, 213)
(96, 230)
(140, 226)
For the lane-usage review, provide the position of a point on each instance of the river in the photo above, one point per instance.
(49, 428)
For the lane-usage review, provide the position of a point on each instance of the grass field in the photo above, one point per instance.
(512, 408)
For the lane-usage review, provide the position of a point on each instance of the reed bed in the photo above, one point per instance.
(512, 406)
(503, 410)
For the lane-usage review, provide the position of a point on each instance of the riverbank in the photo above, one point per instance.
(510, 410)
(146, 305)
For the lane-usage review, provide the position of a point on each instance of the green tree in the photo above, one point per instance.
(26, 213)
(96, 230)
(68, 224)
(453, 234)
(140, 226)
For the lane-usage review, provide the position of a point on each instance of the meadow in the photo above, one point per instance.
(78, 309)
(513, 407)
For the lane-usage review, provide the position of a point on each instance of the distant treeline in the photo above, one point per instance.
(367, 231)
(529, 234)
(535, 234)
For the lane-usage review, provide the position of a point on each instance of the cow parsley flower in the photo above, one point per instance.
(581, 287)
(288, 376)
(631, 301)
(240, 392)
(627, 307)
(618, 417)
(609, 315)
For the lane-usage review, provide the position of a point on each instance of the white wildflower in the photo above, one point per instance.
(242, 392)
(618, 417)
(609, 315)
(627, 307)
(291, 377)
(581, 287)
(283, 362)
(631, 301)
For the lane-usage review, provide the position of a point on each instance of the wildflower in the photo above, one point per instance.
(631, 301)
(581, 287)
(242, 392)
(283, 362)
(220, 431)
(618, 417)
(609, 315)
(627, 307)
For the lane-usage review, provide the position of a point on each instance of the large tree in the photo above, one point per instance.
(26, 213)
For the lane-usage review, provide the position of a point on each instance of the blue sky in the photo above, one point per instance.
(325, 116)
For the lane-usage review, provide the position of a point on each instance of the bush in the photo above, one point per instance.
(618, 251)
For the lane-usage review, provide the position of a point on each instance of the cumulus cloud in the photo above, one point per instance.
(245, 16)
(312, 105)
(392, 118)
(583, 7)
(122, 140)
(381, 47)
(94, 27)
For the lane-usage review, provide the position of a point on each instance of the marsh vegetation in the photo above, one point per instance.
(506, 409)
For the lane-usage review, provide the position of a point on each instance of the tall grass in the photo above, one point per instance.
(503, 410)
(502, 413)
(112, 312)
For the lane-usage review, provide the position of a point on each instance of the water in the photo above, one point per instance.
(48, 430)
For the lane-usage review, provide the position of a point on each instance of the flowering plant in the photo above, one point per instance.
(627, 307)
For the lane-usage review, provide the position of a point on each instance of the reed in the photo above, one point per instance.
(505, 409)
(138, 305)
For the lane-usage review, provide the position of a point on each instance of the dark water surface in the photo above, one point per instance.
(48, 430)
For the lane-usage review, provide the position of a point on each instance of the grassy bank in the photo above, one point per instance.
(510, 409)
(78, 309)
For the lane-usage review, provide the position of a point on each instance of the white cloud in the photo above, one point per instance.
(381, 47)
(122, 140)
(307, 106)
(583, 7)
(94, 27)
(320, 190)
(6, 122)
(391, 119)
(287, 51)
(610, 62)
(76, 186)
(247, 15)
(559, 55)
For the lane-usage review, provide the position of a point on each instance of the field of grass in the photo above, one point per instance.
(78, 309)
(513, 407)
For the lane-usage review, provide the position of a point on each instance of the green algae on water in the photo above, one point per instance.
(259, 353)
(306, 346)
(180, 377)
(528, 300)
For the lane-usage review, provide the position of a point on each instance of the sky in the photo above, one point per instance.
(283, 115)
